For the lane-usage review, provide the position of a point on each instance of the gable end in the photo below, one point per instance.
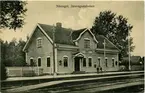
(27, 43)
(87, 29)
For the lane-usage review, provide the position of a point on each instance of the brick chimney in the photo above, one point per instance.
(58, 25)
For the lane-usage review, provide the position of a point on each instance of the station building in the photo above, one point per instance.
(70, 51)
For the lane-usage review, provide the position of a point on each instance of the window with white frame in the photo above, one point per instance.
(39, 62)
(99, 60)
(86, 43)
(65, 61)
(116, 63)
(90, 61)
(106, 62)
(39, 42)
(84, 62)
(48, 61)
(31, 62)
(112, 62)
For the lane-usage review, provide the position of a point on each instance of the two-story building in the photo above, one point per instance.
(74, 50)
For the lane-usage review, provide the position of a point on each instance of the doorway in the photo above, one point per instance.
(77, 64)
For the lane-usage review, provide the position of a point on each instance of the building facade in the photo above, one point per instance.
(74, 50)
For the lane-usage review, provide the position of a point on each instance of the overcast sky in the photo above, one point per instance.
(46, 12)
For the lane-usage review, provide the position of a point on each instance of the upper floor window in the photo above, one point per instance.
(86, 43)
(48, 61)
(65, 60)
(39, 42)
(84, 62)
(39, 62)
(90, 62)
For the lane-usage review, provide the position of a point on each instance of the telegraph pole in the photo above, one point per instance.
(54, 71)
(129, 65)
(104, 51)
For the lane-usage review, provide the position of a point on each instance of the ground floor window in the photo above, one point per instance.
(84, 62)
(65, 60)
(48, 61)
(112, 62)
(31, 62)
(99, 61)
(116, 63)
(106, 60)
(39, 62)
(90, 62)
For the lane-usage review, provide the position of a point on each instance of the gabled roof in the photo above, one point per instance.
(108, 44)
(76, 33)
(68, 36)
(100, 39)
(62, 35)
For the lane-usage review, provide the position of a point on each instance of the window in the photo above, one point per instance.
(39, 62)
(39, 42)
(31, 62)
(90, 62)
(48, 61)
(106, 62)
(65, 60)
(99, 61)
(116, 63)
(112, 62)
(95, 66)
(86, 43)
(84, 62)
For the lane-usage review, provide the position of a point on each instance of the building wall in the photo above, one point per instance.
(91, 53)
(43, 52)
(61, 68)
(46, 50)
(93, 44)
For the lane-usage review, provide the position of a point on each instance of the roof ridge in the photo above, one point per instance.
(69, 29)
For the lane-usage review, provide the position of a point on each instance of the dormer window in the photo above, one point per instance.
(86, 43)
(39, 42)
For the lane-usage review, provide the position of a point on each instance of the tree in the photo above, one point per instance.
(20, 55)
(116, 29)
(12, 54)
(12, 14)
(3, 73)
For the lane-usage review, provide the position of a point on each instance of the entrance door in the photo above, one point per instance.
(77, 64)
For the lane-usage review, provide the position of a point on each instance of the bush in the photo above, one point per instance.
(3, 72)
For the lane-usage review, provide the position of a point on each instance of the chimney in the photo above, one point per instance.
(58, 25)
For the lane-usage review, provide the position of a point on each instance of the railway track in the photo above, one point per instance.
(92, 87)
(82, 85)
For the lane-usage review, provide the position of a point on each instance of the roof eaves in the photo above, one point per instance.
(45, 33)
(84, 32)
(29, 38)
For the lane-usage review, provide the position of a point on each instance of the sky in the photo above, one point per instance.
(46, 12)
